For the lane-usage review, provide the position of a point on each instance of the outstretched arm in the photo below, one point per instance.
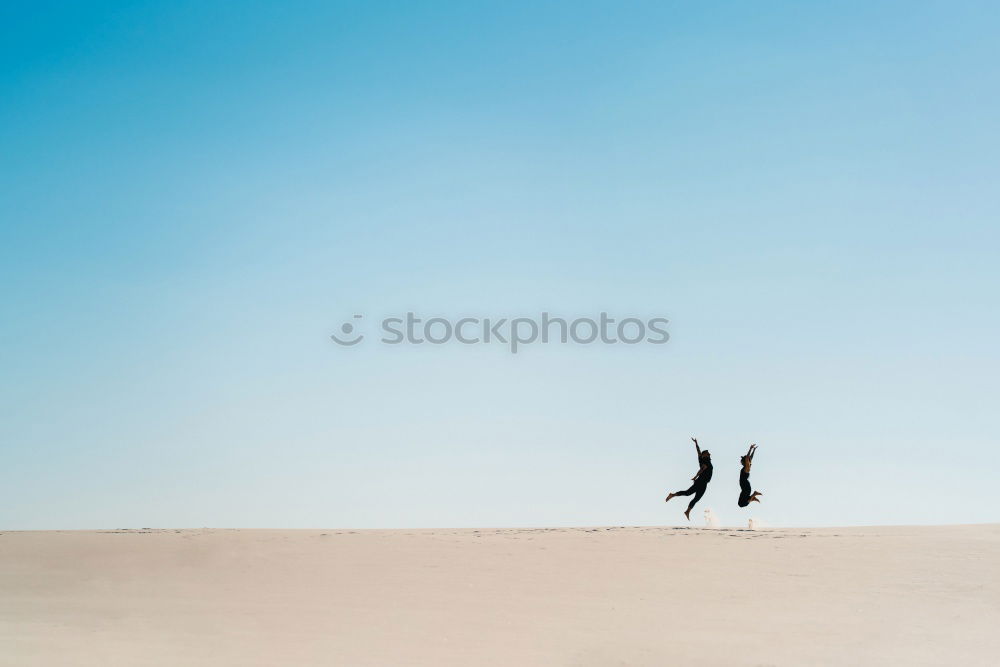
(696, 447)
(750, 452)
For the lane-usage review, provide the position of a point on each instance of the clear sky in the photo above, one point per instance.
(195, 195)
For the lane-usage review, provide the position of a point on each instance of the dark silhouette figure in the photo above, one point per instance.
(746, 461)
(700, 480)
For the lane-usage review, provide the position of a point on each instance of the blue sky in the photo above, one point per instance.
(195, 195)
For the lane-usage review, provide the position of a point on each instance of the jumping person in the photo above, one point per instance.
(701, 479)
(745, 496)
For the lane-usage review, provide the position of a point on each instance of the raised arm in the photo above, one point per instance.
(697, 448)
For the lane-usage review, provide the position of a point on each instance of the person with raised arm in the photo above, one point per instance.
(745, 462)
(699, 481)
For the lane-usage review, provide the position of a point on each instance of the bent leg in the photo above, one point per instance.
(687, 492)
(697, 497)
(694, 501)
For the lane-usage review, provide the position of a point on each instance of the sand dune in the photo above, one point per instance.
(568, 596)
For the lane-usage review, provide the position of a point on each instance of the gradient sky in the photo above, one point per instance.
(195, 195)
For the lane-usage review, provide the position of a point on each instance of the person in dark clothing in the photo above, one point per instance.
(700, 480)
(745, 496)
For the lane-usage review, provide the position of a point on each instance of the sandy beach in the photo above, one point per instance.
(543, 596)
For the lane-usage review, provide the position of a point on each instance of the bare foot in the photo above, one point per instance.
(687, 514)
(670, 496)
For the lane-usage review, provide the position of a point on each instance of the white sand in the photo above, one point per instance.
(576, 596)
